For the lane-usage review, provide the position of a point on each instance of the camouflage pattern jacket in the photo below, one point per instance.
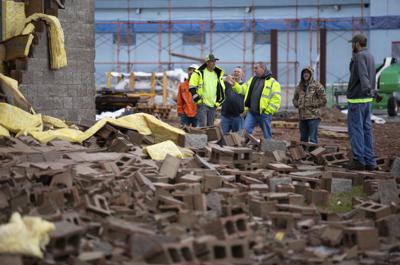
(309, 97)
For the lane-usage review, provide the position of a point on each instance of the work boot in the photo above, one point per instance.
(356, 165)
(370, 167)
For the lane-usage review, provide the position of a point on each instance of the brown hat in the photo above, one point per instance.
(210, 57)
(358, 38)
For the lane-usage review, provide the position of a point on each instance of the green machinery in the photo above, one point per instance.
(387, 85)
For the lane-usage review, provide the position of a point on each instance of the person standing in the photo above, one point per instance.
(262, 98)
(208, 90)
(186, 108)
(233, 106)
(359, 98)
(309, 96)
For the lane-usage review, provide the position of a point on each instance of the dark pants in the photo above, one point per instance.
(231, 124)
(263, 120)
(185, 120)
(205, 115)
(309, 130)
(360, 133)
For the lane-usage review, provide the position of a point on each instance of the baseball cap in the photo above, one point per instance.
(358, 38)
(211, 57)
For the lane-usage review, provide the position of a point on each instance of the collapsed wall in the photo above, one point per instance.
(67, 93)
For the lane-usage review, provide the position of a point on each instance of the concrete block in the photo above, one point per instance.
(332, 236)
(274, 182)
(272, 145)
(195, 141)
(65, 240)
(341, 185)
(318, 197)
(374, 211)
(388, 192)
(366, 238)
(170, 166)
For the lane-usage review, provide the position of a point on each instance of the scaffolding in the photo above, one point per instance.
(287, 68)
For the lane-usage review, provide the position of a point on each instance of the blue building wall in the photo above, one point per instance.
(227, 37)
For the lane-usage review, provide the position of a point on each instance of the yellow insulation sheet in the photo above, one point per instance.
(21, 122)
(14, 96)
(58, 57)
(13, 18)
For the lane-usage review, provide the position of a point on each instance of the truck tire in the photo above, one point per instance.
(392, 106)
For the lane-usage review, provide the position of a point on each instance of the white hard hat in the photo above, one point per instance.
(193, 66)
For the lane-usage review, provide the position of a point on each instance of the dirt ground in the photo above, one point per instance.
(386, 136)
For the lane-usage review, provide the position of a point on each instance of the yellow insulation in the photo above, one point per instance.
(28, 45)
(58, 57)
(13, 18)
(17, 121)
(161, 150)
(4, 132)
(14, 96)
(29, 28)
(54, 122)
(25, 235)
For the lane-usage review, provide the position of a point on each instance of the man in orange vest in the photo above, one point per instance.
(187, 109)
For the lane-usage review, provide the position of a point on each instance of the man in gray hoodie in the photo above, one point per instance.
(359, 98)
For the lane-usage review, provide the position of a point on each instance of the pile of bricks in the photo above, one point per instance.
(237, 201)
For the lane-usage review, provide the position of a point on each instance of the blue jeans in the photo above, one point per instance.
(309, 130)
(263, 120)
(234, 124)
(185, 120)
(360, 133)
(205, 115)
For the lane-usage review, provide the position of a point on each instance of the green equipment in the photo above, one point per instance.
(388, 86)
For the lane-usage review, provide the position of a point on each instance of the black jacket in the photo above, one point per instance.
(362, 75)
(233, 105)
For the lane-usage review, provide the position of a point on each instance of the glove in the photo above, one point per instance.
(378, 98)
(196, 97)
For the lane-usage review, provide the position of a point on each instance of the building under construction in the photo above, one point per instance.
(288, 35)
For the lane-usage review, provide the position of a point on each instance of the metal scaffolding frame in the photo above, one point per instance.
(155, 41)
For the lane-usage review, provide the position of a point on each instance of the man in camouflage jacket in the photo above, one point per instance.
(309, 96)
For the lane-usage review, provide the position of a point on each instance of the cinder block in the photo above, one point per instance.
(297, 152)
(172, 253)
(120, 145)
(341, 185)
(261, 208)
(273, 182)
(65, 240)
(332, 236)
(195, 141)
(334, 158)
(229, 227)
(170, 166)
(272, 145)
(395, 170)
(118, 231)
(284, 221)
(234, 251)
(374, 211)
(366, 238)
(318, 197)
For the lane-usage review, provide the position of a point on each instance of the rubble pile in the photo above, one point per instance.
(238, 200)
